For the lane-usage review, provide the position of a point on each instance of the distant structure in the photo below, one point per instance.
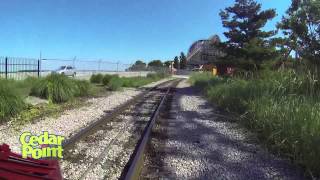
(204, 52)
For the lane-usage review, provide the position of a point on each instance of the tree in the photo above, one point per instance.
(176, 63)
(167, 63)
(247, 45)
(138, 66)
(183, 61)
(301, 27)
(155, 63)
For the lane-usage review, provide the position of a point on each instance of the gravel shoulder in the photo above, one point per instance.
(71, 121)
(196, 142)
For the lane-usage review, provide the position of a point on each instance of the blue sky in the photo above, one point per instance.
(115, 30)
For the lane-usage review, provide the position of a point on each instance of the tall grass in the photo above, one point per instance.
(114, 82)
(59, 88)
(83, 88)
(282, 107)
(96, 78)
(11, 101)
(107, 78)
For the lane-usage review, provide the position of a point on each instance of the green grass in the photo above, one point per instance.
(282, 107)
(96, 78)
(11, 101)
(59, 88)
(31, 114)
(83, 88)
(114, 82)
(136, 81)
(107, 78)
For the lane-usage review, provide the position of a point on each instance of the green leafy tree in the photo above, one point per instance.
(155, 63)
(176, 63)
(183, 61)
(301, 27)
(138, 66)
(167, 63)
(247, 45)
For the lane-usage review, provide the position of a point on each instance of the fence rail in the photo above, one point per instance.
(19, 68)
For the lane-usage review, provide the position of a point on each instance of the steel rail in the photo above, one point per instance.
(135, 163)
(91, 127)
(105, 150)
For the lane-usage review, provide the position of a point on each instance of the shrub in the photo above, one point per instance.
(24, 86)
(83, 87)
(115, 84)
(58, 87)
(106, 79)
(11, 102)
(96, 78)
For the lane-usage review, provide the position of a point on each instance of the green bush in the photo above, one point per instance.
(83, 88)
(58, 88)
(115, 84)
(106, 79)
(11, 102)
(96, 78)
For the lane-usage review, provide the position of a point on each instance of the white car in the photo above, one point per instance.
(66, 70)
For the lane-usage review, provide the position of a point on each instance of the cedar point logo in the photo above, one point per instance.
(43, 146)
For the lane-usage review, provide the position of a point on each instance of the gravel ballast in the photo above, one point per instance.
(71, 121)
(196, 142)
(104, 154)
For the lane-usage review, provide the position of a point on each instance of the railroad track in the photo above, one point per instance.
(112, 147)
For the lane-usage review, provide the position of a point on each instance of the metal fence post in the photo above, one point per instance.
(38, 68)
(6, 67)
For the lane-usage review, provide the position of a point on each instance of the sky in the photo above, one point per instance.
(113, 30)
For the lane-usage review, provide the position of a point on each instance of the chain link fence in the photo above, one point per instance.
(21, 68)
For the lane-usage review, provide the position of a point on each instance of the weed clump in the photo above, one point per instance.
(107, 78)
(96, 78)
(115, 84)
(11, 102)
(282, 107)
(59, 88)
